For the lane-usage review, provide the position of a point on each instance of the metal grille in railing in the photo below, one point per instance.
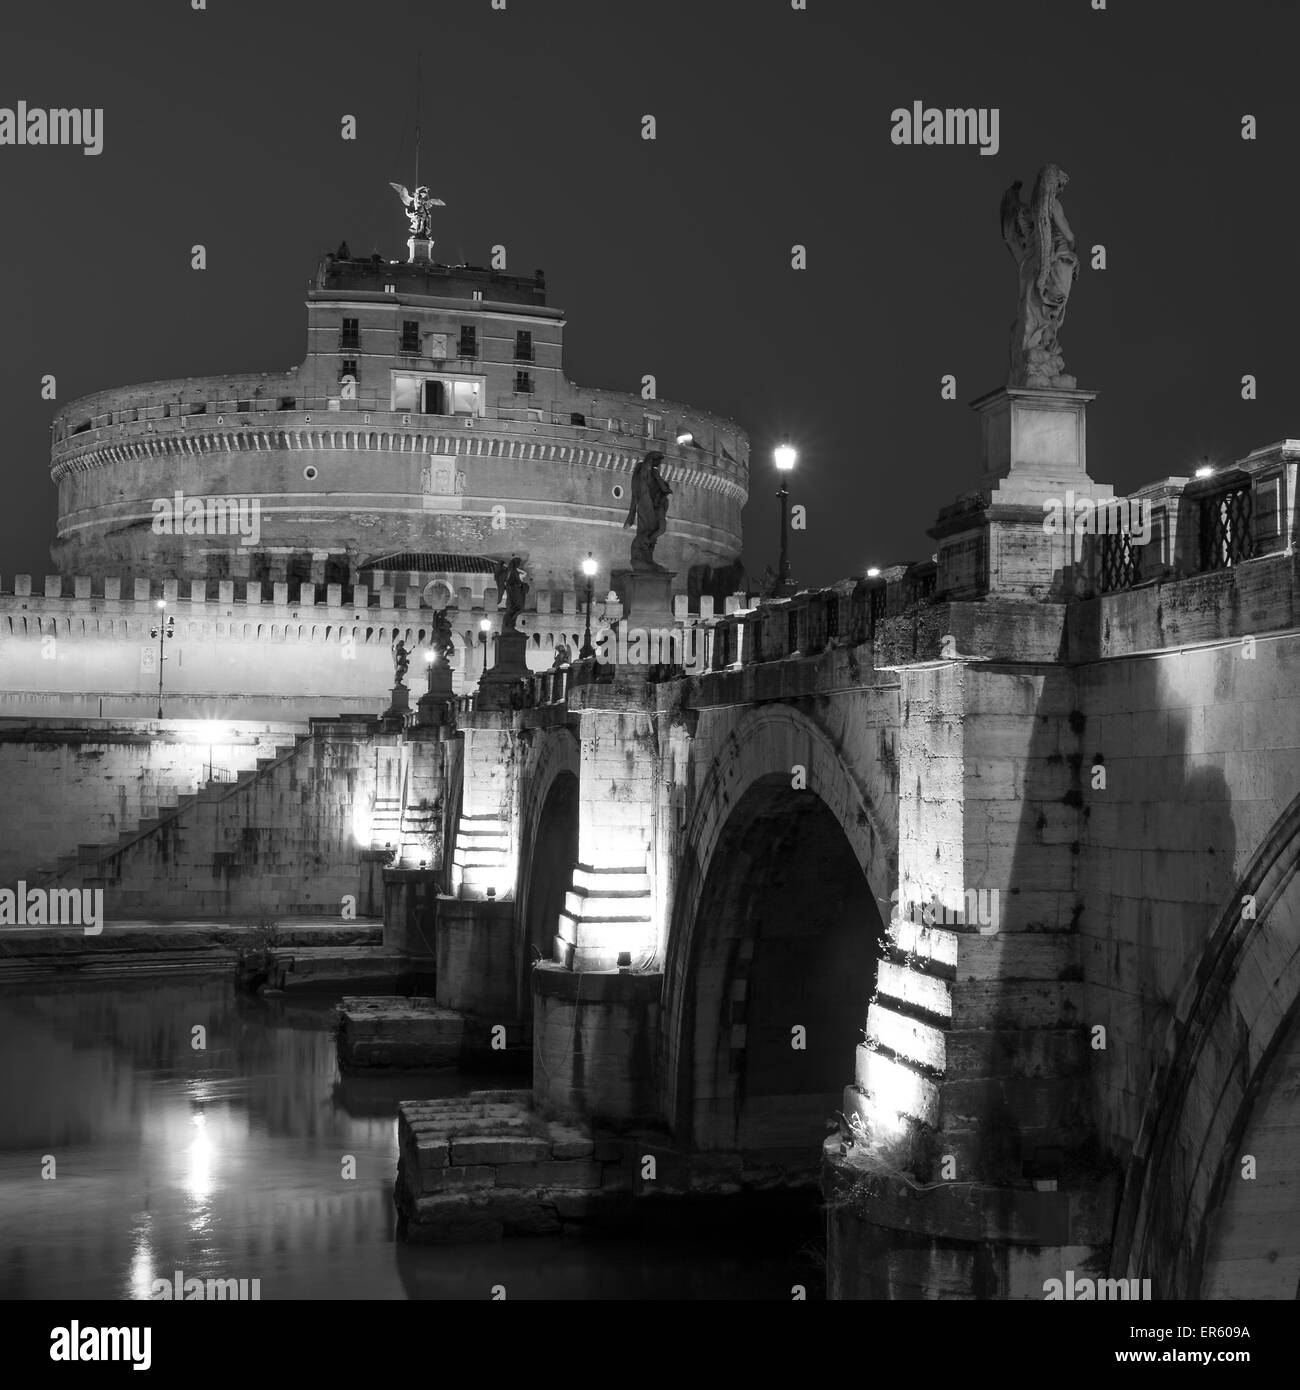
(1226, 537)
(1121, 562)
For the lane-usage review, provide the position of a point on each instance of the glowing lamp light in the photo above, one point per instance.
(485, 625)
(873, 573)
(1205, 471)
(785, 455)
(162, 603)
(589, 566)
(684, 436)
(430, 658)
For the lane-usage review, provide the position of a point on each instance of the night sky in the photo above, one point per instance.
(672, 257)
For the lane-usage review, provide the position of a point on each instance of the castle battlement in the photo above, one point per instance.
(114, 606)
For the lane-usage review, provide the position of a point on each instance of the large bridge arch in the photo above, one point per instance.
(776, 922)
(548, 850)
(1216, 1080)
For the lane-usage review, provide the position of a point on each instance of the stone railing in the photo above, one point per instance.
(807, 624)
(1192, 526)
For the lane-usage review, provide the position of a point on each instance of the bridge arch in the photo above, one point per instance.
(549, 849)
(775, 925)
(1233, 1033)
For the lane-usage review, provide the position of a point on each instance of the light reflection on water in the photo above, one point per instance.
(228, 1161)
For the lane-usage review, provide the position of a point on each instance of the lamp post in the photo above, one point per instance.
(784, 457)
(429, 658)
(485, 627)
(589, 569)
(162, 631)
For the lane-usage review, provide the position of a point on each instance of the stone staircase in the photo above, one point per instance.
(89, 856)
(608, 911)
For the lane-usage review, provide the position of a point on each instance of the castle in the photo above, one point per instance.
(429, 432)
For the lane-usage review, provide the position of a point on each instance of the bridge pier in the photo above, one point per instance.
(477, 966)
(596, 1005)
(595, 1038)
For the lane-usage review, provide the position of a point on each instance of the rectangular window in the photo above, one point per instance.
(468, 341)
(524, 383)
(652, 426)
(464, 398)
(410, 336)
(348, 367)
(523, 346)
(288, 403)
(350, 335)
(576, 419)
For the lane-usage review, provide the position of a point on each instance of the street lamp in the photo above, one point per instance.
(430, 658)
(161, 631)
(784, 458)
(484, 627)
(589, 569)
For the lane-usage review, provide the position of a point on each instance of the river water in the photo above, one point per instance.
(228, 1160)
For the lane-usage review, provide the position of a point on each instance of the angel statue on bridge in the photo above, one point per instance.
(1040, 239)
(401, 661)
(419, 208)
(647, 510)
(511, 587)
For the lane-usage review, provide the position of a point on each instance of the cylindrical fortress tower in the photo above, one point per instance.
(430, 419)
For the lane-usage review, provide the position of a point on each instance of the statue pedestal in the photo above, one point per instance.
(497, 684)
(401, 703)
(648, 634)
(419, 249)
(997, 541)
(646, 596)
(431, 707)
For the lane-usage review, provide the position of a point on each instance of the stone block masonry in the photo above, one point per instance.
(488, 1165)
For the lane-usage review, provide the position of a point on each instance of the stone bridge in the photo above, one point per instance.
(988, 861)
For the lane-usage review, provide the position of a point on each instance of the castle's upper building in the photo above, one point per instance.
(431, 416)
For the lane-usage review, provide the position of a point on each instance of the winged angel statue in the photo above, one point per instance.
(1040, 240)
(419, 206)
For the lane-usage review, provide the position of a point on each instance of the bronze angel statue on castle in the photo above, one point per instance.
(1040, 240)
(419, 208)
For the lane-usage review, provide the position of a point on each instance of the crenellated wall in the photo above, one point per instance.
(82, 648)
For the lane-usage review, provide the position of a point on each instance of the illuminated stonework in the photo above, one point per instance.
(431, 414)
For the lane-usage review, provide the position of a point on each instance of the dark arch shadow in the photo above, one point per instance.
(544, 880)
(786, 936)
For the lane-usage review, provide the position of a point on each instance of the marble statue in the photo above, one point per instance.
(401, 661)
(440, 639)
(647, 510)
(1040, 240)
(511, 586)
